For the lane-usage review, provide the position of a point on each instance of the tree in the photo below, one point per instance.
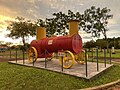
(62, 20)
(59, 23)
(90, 44)
(2, 42)
(95, 21)
(21, 28)
(55, 25)
(101, 43)
(9, 43)
(49, 24)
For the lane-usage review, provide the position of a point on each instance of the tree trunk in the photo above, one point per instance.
(106, 41)
(23, 40)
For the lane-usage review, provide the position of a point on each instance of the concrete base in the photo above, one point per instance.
(76, 70)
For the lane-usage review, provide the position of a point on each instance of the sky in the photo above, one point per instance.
(36, 9)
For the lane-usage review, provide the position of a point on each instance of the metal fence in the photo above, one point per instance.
(15, 54)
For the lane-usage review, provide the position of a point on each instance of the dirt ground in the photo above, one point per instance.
(2, 59)
(116, 87)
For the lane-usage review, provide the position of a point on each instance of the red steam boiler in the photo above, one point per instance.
(54, 44)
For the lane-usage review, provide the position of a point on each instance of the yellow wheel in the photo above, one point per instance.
(68, 59)
(32, 54)
(80, 58)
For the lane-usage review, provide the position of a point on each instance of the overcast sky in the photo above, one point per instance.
(35, 9)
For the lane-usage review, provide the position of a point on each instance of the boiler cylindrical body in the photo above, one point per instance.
(71, 43)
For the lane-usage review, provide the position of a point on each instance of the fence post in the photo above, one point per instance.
(45, 60)
(33, 60)
(97, 58)
(86, 62)
(23, 57)
(62, 63)
(92, 54)
(2, 53)
(16, 55)
(110, 56)
(105, 56)
(10, 53)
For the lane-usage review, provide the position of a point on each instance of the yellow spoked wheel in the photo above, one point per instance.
(80, 58)
(68, 59)
(32, 54)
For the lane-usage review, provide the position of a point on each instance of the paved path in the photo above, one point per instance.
(76, 70)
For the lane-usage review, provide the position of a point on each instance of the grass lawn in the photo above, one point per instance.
(6, 54)
(101, 54)
(15, 77)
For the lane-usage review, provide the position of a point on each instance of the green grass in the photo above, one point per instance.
(15, 77)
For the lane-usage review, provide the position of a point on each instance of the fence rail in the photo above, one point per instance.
(22, 55)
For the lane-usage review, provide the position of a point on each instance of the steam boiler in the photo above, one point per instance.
(70, 44)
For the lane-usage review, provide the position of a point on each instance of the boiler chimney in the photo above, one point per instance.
(73, 27)
(40, 33)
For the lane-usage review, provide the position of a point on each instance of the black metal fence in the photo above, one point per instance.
(13, 54)
(22, 55)
(95, 58)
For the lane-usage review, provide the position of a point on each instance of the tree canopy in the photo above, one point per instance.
(101, 43)
(21, 28)
(59, 23)
(93, 20)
